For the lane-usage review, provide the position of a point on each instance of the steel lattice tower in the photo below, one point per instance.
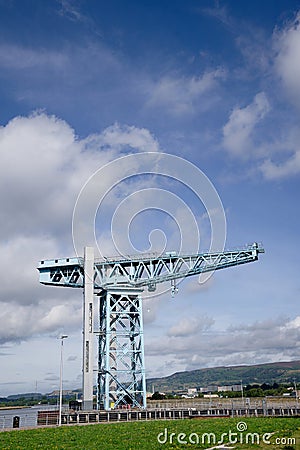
(117, 285)
(121, 368)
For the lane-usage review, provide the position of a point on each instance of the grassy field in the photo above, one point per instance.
(243, 433)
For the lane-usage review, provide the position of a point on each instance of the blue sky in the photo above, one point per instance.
(83, 83)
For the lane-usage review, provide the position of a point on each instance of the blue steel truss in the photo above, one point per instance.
(142, 271)
(121, 370)
(118, 284)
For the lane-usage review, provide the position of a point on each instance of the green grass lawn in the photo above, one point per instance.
(173, 434)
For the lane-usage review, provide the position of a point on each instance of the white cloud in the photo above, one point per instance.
(287, 61)
(20, 255)
(283, 159)
(183, 95)
(219, 13)
(238, 131)
(71, 11)
(292, 324)
(189, 348)
(43, 167)
(276, 154)
(270, 148)
(122, 136)
(190, 326)
(17, 57)
(290, 167)
(38, 155)
(21, 322)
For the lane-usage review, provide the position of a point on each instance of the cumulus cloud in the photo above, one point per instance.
(183, 95)
(43, 167)
(190, 326)
(194, 347)
(290, 167)
(283, 158)
(287, 62)
(123, 136)
(21, 322)
(238, 131)
(274, 155)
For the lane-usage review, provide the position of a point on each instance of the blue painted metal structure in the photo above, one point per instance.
(118, 284)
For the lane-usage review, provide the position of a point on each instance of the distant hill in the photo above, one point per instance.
(280, 372)
(27, 395)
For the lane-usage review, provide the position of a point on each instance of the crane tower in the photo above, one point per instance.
(115, 286)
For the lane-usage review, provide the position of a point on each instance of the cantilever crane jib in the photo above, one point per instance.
(143, 270)
(118, 284)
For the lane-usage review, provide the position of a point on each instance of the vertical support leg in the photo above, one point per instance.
(101, 394)
(88, 336)
(107, 398)
(141, 355)
(121, 369)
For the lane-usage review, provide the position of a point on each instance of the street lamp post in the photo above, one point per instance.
(242, 391)
(296, 395)
(62, 337)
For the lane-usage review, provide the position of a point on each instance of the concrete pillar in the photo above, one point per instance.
(88, 325)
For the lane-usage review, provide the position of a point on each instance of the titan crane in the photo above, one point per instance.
(118, 284)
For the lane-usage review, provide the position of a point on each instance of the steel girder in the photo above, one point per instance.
(119, 283)
(144, 270)
(121, 368)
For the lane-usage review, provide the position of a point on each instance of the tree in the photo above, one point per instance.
(158, 396)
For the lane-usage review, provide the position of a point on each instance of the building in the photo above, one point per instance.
(233, 388)
(192, 392)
